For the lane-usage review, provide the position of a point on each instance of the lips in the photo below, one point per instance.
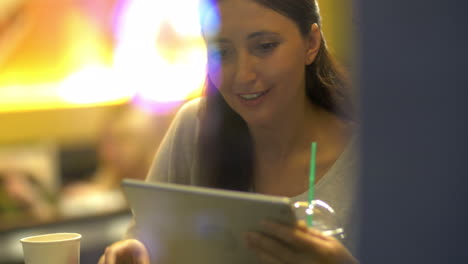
(252, 99)
(252, 96)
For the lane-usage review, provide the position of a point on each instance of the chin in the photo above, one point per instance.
(254, 117)
(255, 120)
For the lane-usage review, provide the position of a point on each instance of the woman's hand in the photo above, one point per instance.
(297, 245)
(125, 251)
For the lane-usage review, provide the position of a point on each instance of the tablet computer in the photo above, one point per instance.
(187, 224)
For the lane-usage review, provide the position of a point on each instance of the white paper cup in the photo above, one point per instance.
(58, 248)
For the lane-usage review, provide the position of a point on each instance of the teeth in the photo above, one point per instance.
(251, 96)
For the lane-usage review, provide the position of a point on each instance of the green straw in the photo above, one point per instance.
(313, 154)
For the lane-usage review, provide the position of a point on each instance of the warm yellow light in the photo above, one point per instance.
(64, 59)
(93, 85)
(184, 20)
(167, 59)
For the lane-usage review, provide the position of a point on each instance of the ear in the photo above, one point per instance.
(312, 43)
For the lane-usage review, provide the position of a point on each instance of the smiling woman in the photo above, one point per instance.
(263, 73)
(272, 88)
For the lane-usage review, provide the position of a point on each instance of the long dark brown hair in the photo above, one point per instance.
(225, 145)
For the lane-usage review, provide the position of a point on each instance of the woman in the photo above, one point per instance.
(272, 89)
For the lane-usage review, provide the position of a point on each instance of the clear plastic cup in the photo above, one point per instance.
(324, 218)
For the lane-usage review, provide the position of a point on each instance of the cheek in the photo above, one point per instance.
(219, 75)
(215, 75)
(283, 69)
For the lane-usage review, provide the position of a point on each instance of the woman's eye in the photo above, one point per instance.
(218, 54)
(268, 46)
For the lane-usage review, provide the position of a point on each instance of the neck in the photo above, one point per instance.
(294, 132)
(286, 133)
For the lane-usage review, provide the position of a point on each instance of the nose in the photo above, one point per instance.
(246, 69)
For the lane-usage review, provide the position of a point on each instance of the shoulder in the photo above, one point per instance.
(177, 152)
(192, 106)
(190, 109)
(187, 115)
(186, 124)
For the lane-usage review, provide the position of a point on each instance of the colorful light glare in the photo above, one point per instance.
(94, 84)
(157, 53)
(162, 49)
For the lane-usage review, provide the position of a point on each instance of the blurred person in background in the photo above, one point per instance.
(125, 149)
(23, 198)
(272, 89)
(13, 27)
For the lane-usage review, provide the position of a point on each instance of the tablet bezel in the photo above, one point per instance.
(199, 224)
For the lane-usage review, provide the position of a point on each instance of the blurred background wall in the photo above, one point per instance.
(413, 57)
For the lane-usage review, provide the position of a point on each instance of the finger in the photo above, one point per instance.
(267, 259)
(301, 225)
(101, 260)
(109, 256)
(311, 239)
(143, 257)
(136, 251)
(293, 236)
(265, 245)
(318, 234)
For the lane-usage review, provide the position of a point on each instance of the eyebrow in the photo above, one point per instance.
(261, 33)
(250, 36)
(219, 40)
